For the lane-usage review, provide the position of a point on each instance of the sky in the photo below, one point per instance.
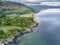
(55, 3)
(32, 0)
(24, 0)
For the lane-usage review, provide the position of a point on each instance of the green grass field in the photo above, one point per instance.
(13, 24)
(7, 28)
(26, 15)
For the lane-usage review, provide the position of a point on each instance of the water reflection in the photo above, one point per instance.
(50, 27)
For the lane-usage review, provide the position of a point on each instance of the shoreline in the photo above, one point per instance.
(14, 37)
(11, 40)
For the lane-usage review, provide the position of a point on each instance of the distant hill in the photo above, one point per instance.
(14, 7)
(42, 7)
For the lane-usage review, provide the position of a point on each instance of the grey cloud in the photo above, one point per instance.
(35, 0)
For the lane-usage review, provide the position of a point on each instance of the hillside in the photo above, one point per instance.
(15, 8)
(14, 18)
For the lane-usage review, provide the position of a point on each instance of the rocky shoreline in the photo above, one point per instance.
(11, 40)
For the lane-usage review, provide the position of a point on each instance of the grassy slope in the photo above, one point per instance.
(27, 15)
(6, 28)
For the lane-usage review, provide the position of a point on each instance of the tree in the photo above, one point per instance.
(2, 32)
(3, 13)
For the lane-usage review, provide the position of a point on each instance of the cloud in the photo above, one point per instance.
(30, 0)
(26, 0)
(15, 0)
(34, 0)
(51, 3)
